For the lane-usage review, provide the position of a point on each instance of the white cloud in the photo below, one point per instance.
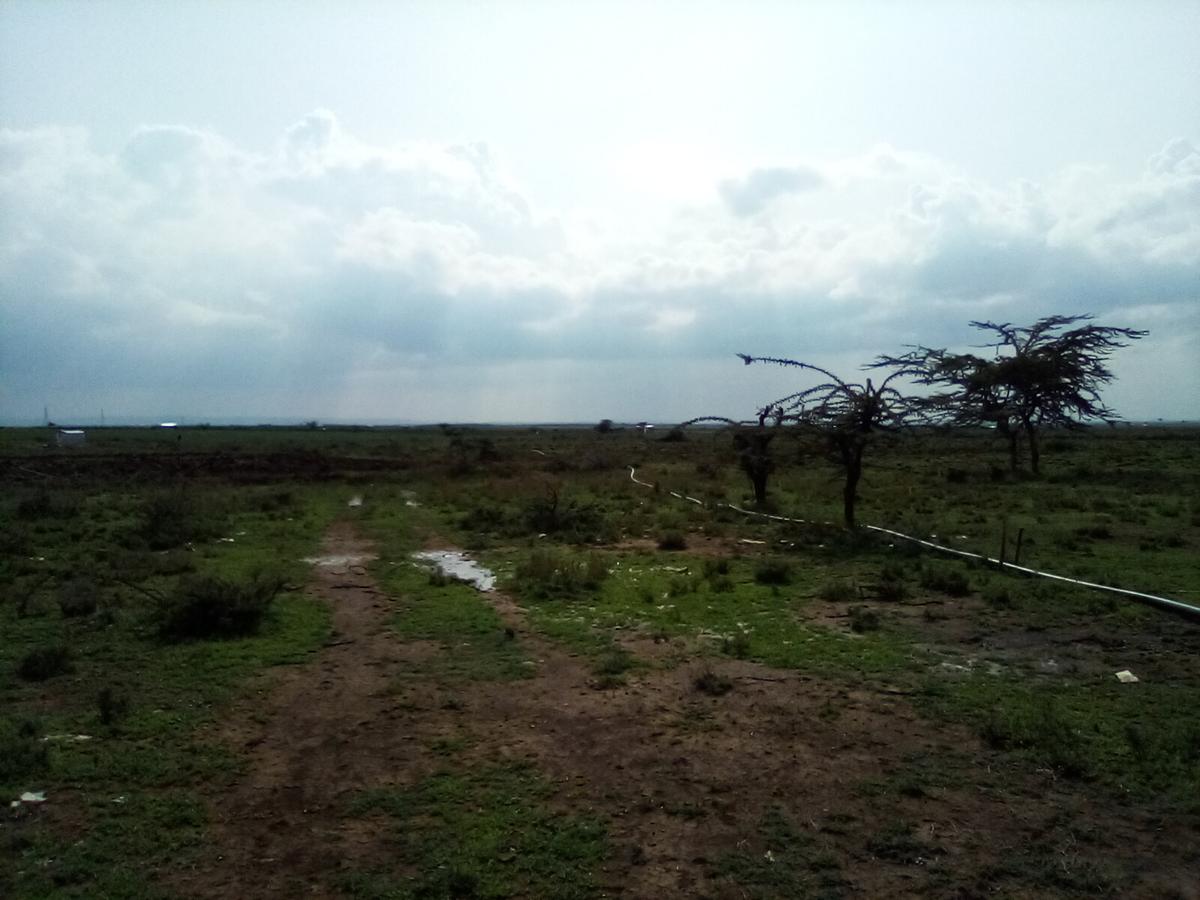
(330, 254)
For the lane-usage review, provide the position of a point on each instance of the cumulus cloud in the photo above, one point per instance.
(185, 265)
(758, 188)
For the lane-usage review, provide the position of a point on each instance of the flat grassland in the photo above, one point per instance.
(228, 677)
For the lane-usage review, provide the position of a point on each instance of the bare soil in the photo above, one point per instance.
(683, 778)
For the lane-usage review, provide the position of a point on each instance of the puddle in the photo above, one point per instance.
(338, 560)
(459, 567)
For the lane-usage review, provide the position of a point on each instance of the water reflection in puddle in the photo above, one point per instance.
(457, 565)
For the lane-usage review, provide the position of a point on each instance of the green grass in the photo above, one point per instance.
(1141, 739)
(139, 698)
(474, 641)
(488, 833)
(780, 861)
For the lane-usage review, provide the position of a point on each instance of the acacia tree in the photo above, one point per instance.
(753, 445)
(848, 417)
(1039, 376)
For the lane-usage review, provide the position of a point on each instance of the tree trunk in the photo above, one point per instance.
(759, 480)
(852, 459)
(1034, 451)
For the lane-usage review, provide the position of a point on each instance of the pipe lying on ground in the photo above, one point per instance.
(1164, 603)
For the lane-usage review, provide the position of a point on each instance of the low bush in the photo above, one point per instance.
(43, 663)
(112, 706)
(550, 572)
(773, 571)
(208, 606)
(736, 645)
(1041, 728)
(672, 540)
(838, 591)
(22, 752)
(174, 518)
(863, 619)
(709, 682)
(948, 581)
(78, 598)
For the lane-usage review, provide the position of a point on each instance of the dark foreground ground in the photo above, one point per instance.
(662, 698)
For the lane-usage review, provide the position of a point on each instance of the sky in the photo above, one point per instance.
(530, 211)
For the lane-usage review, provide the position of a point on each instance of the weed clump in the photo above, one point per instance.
(208, 606)
(43, 663)
(77, 598)
(773, 571)
(112, 706)
(672, 540)
(548, 572)
(736, 645)
(891, 587)
(951, 582)
(838, 591)
(610, 669)
(863, 620)
(21, 752)
(1042, 729)
(709, 682)
(174, 518)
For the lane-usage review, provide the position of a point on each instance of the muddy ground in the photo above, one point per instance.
(682, 778)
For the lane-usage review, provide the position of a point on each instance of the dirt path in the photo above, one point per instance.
(311, 737)
(684, 779)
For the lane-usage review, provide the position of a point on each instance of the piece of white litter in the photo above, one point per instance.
(1126, 677)
(769, 856)
(70, 738)
(750, 541)
(225, 540)
(33, 797)
(121, 799)
(355, 501)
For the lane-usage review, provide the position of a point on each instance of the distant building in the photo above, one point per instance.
(70, 437)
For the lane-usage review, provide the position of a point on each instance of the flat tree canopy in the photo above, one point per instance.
(1045, 374)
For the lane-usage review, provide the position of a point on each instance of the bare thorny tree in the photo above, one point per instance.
(846, 416)
(1039, 376)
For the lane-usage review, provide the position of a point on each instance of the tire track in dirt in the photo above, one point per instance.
(312, 736)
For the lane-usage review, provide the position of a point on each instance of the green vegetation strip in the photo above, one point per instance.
(487, 833)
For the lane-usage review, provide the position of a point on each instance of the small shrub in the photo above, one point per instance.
(610, 669)
(956, 476)
(773, 571)
(46, 504)
(43, 663)
(891, 591)
(714, 567)
(22, 753)
(722, 584)
(863, 620)
(948, 581)
(77, 598)
(208, 606)
(548, 572)
(709, 682)
(174, 518)
(736, 645)
(1041, 728)
(998, 596)
(838, 591)
(112, 706)
(672, 540)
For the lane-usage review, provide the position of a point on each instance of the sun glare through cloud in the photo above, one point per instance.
(707, 193)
